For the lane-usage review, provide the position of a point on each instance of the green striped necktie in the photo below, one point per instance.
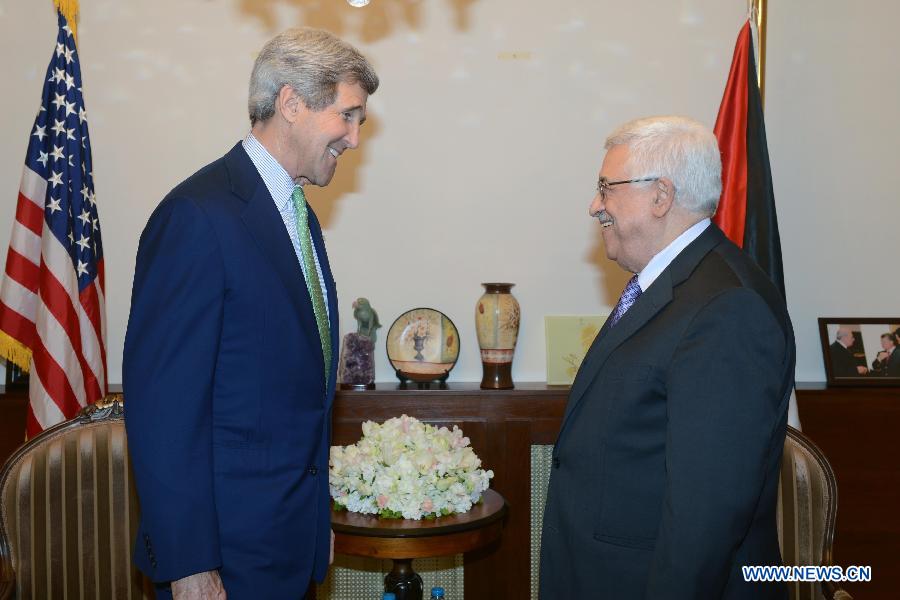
(313, 285)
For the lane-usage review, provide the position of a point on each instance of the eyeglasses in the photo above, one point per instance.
(604, 185)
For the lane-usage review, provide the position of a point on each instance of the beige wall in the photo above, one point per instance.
(482, 146)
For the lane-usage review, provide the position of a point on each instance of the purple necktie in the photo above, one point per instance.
(629, 295)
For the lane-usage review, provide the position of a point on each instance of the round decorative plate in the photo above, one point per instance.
(423, 345)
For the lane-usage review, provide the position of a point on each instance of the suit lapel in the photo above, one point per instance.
(264, 223)
(611, 337)
(650, 302)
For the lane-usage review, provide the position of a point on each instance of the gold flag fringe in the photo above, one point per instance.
(15, 351)
(69, 9)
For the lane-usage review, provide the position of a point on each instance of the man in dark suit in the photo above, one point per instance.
(665, 472)
(229, 369)
(843, 363)
(892, 369)
(887, 362)
(893, 364)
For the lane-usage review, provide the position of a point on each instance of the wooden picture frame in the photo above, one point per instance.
(861, 351)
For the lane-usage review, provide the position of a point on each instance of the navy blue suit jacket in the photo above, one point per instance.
(228, 400)
(665, 472)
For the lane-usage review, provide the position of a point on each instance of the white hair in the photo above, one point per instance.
(312, 62)
(679, 148)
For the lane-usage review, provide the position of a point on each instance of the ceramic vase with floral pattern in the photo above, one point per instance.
(497, 324)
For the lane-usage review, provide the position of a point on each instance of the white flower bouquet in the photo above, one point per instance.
(407, 469)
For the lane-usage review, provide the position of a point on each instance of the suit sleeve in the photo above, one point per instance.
(724, 398)
(168, 373)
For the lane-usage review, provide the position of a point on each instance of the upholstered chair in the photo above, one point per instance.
(68, 512)
(807, 503)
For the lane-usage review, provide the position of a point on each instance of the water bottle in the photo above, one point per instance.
(437, 593)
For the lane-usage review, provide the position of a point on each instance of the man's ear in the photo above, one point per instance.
(664, 198)
(288, 104)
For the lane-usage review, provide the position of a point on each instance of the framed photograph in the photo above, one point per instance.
(861, 350)
(568, 340)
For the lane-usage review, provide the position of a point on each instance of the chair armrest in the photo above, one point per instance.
(7, 575)
(833, 591)
(7, 589)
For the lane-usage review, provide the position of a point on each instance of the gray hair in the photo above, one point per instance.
(312, 62)
(679, 148)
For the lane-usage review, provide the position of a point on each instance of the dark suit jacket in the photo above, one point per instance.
(893, 364)
(228, 411)
(665, 471)
(843, 363)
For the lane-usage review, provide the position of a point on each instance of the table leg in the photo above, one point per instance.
(403, 581)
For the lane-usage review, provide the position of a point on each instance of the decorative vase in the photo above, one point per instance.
(497, 324)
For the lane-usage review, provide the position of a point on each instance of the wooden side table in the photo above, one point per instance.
(402, 540)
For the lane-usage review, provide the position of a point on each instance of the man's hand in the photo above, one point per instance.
(331, 555)
(199, 586)
(861, 370)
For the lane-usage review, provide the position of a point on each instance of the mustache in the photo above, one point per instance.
(606, 220)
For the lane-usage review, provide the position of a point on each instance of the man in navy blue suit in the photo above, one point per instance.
(229, 364)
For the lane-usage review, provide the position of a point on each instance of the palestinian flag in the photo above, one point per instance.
(746, 210)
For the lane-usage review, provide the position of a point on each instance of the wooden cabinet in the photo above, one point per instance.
(502, 426)
(13, 409)
(858, 429)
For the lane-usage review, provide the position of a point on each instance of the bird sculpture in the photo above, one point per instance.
(366, 318)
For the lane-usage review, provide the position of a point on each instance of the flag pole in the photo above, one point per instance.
(760, 15)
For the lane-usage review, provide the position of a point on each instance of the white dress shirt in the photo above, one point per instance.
(665, 256)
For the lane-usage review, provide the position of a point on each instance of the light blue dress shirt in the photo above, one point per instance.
(281, 188)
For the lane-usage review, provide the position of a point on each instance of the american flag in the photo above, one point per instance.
(52, 307)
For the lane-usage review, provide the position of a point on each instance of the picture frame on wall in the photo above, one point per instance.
(861, 350)
(568, 339)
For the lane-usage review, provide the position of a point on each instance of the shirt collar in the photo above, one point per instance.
(665, 256)
(276, 178)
